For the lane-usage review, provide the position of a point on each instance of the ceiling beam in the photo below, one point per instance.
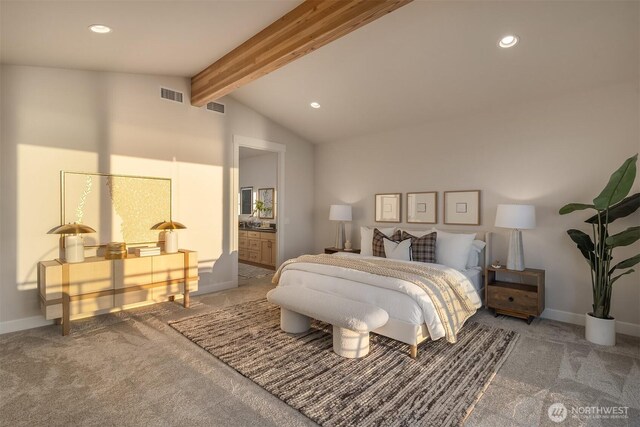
(306, 28)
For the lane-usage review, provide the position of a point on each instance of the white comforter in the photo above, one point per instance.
(402, 300)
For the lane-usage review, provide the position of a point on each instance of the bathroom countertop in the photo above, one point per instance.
(262, 230)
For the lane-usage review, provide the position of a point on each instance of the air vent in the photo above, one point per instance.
(215, 107)
(171, 95)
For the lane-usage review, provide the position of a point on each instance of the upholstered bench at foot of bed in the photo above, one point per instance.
(351, 320)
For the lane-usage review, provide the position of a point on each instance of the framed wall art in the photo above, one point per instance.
(422, 208)
(266, 196)
(121, 208)
(462, 207)
(389, 207)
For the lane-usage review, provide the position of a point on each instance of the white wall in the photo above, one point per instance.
(55, 119)
(259, 171)
(547, 153)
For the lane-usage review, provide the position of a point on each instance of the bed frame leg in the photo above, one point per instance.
(413, 351)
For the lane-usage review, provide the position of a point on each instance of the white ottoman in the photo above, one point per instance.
(351, 320)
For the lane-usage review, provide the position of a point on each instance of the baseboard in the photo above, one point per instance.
(205, 288)
(24, 323)
(625, 328)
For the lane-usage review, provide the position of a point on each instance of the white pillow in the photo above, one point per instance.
(474, 254)
(397, 250)
(452, 249)
(366, 238)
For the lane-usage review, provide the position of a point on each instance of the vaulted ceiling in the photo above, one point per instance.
(430, 60)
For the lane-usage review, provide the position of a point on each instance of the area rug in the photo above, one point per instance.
(246, 271)
(385, 388)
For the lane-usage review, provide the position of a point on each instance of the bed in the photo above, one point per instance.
(412, 318)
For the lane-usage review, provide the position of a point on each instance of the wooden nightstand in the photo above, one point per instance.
(524, 300)
(334, 250)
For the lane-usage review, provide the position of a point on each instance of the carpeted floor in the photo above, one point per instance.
(134, 369)
(387, 387)
(248, 271)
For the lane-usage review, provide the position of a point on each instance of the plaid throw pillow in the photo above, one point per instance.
(423, 249)
(378, 241)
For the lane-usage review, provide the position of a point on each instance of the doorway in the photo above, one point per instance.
(258, 194)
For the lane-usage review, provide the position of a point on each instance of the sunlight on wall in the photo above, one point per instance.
(197, 202)
(38, 204)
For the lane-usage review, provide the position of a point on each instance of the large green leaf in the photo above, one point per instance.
(624, 238)
(619, 276)
(629, 262)
(584, 243)
(571, 207)
(622, 209)
(582, 239)
(619, 185)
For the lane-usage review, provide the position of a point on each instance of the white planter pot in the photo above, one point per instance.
(600, 331)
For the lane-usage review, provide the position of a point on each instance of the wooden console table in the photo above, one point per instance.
(98, 285)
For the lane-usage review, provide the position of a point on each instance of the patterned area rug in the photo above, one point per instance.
(385, 388)
(246, 271)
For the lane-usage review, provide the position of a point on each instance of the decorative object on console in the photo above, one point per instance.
(348, 247)
(266, 196)
(516, 217)
(462, 207)
(422, 208)
(389, 207)
(116, 250)
(147, 251)
(73, 240)
(170, 235)
(612, 203)
(340, 213)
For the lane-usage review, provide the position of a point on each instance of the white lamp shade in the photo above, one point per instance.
(520, 217)
(340, 213)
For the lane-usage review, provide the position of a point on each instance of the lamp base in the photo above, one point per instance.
(340, 236)
(73, 248)
(170, 242)
(515, 258)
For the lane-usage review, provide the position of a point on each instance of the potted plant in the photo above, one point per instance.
(259, 208)
(612, 203)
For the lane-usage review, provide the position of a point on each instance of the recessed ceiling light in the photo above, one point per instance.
(100, 29)
(508, 41)
(315, 105)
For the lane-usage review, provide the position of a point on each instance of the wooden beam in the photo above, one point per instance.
(306, 28)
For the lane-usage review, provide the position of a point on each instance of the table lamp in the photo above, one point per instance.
(340, 213)
(73, 240)
(516, 217)
(170, 236)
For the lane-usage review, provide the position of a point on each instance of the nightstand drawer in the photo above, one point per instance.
(513, 299)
